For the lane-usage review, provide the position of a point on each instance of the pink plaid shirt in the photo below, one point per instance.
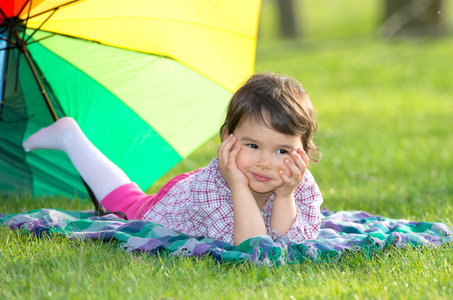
(201, 205)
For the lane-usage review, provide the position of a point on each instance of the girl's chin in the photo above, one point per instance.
(260, 190)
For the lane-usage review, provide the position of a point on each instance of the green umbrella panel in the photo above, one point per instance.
(119, 97)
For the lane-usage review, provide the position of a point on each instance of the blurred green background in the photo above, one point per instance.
(384, 107)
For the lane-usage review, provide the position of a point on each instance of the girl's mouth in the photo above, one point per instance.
(260, 177)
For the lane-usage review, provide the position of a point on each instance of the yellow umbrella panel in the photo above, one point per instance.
(215, 38)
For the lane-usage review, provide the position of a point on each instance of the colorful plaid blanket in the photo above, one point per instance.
(340, 232)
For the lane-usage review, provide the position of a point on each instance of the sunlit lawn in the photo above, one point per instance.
(385, 117)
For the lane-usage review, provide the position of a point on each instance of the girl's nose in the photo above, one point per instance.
(264, 161)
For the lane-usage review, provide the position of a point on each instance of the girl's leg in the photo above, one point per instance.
(102, 175)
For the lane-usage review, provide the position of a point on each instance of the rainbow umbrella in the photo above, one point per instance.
(147, 81)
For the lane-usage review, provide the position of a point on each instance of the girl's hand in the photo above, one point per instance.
(297, 167)
(227, 163)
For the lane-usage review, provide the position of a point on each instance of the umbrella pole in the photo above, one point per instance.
(23, 47)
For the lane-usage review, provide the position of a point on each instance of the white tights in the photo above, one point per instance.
(102, 175)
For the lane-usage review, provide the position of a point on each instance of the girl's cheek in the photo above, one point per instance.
(241, 159)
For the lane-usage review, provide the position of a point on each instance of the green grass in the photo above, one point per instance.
(61, 268)
(385, 117)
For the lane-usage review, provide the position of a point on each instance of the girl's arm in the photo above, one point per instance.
(283, 214)
(284, 210)
(248, 221)
(307, 224)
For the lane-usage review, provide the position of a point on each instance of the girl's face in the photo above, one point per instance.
(262, 155)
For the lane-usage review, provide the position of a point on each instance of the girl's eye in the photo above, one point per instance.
(252, 146)
(282, 151)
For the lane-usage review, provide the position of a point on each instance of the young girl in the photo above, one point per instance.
(259, 183)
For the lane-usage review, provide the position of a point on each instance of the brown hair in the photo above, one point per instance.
(280, 103)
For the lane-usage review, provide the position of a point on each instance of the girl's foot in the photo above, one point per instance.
(52, 137)
(101, 174)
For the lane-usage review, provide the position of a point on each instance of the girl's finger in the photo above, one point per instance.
(304, 156)
(220, 155)
(299, 161)
(225, 148)
(296, 159)
(285, 178)
(227, 143)
(295, 171)
(233, 154)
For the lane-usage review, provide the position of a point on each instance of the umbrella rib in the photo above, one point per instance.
(53, 12)
(46, 37)
(26, 20)
(23, 7)
(44, 12)
(71, 36)
(7, 40)
(17, 70)
(3, 14)
(35, 75)
(7, 52)
(7, 48)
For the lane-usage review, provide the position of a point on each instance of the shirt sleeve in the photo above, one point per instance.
(308, 215)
